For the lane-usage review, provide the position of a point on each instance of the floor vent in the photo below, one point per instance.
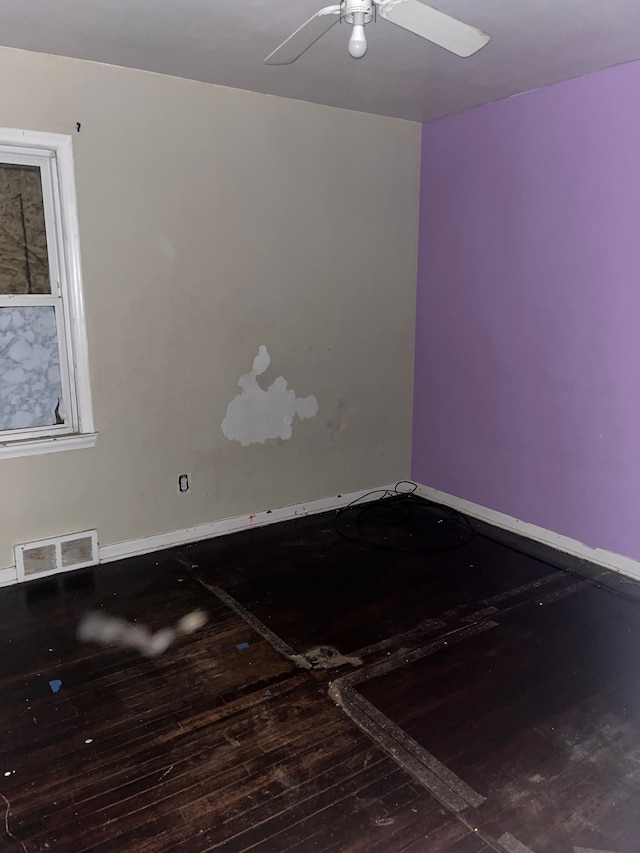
(59, 554)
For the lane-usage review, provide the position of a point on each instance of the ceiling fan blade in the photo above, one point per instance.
(304, 36)
(435, 26)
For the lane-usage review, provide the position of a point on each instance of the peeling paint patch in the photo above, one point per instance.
(256, 415)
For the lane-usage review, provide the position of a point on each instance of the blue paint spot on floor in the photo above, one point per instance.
(55, 685)
(242, 646)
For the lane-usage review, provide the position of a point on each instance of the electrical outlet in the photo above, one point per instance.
(184, 483)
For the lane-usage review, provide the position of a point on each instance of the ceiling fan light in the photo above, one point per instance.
(358, 42)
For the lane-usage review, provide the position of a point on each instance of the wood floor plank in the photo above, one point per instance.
(320, 793)
(372, 821)
(221, 746)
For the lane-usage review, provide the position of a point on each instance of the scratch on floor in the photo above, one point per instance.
(6, 824)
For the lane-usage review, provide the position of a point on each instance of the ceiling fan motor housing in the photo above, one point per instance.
(413, 15)
(350, 7)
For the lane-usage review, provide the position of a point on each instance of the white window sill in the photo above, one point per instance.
(38, 446)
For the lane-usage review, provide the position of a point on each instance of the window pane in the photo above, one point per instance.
(24, 265)
(30, 385)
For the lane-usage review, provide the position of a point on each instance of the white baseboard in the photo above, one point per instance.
(607, 559)
(8, 576)
(209, 530)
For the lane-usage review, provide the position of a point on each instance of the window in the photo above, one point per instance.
(45, 397)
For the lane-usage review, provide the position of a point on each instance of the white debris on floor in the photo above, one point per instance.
(108, 630)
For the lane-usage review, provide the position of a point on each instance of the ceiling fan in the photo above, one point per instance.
(443, 30)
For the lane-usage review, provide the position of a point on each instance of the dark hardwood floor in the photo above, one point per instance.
(341, 697)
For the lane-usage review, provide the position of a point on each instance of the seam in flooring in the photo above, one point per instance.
(421, 765)
(449, 789)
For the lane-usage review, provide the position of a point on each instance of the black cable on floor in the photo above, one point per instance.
(398, 515)
(399, 521)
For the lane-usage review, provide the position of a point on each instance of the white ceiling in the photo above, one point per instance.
(534, 42)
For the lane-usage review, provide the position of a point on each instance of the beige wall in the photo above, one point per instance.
(212, 221)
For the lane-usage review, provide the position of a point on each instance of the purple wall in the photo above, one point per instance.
(527, 384)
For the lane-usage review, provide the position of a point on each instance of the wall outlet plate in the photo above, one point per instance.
(184, 483)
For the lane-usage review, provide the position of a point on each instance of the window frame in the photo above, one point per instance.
(53, 153)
